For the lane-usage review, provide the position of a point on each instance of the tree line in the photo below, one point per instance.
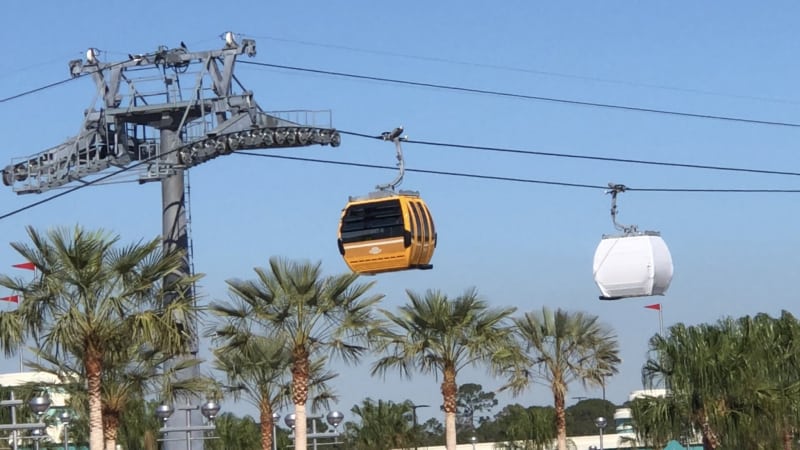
(115, 322)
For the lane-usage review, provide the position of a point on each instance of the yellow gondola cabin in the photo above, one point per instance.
(387, 232)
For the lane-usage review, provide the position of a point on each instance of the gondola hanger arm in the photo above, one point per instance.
(396, 137)
(615, 189)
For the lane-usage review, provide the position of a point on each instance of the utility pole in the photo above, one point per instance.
(162, 113)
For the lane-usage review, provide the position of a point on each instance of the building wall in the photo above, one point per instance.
(610, 442)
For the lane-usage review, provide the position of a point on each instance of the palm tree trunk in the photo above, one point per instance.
(561, 417)
(710, 439)
(94, 369)
(449, 396)
(110, 430)
(267, 424)
(300, 374)
(150, 441)
(787, 437)
(300, 435)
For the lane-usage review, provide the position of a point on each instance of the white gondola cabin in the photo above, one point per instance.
(633, 264)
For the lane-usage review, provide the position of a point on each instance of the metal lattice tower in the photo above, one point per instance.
(188, 94)
(165, 112)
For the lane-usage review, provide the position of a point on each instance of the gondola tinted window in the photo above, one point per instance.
(372, 221)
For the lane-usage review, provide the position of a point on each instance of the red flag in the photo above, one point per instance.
(11, 298)
(25, 265)
(656, 306)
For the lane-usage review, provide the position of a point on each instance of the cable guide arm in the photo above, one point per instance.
(395, 136)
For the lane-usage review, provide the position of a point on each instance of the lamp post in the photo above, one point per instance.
(334, 418)
(36, 435)
(275, 418)
(600, 423)
(209, 409)
(65, 419)
(39, 405)
(473, 439)
(414, 420)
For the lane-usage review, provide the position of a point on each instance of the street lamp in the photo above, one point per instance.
(473, 439)
(290, 420)
(414, 412)
(37, 434)
(209, 409)
(600, 423)
(414, 420)
(39, 405)
(163, 412)
(334, 418)
(65, 419)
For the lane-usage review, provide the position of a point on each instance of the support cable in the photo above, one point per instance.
(35, 90)
(447, 173)
(530, 97)
(519, 180)
(586, 157)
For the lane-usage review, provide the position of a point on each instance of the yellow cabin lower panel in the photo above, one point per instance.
(384, 256)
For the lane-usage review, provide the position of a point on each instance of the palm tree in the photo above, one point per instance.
(291, 302)
(566, 347)
(140, 426)
(234, 433)
(128, 377)
(93, 301)
(696, 363)
(659, 420)
(383, 425)
(257, 368)
(523, 428)
(440, 336)
(735, 381)
(773, 345)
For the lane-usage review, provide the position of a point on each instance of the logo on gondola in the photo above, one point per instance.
(375, 250)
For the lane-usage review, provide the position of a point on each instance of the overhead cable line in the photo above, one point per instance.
(527, 70)
(514, 179)
(375, 166)
(529, 97)
(57, 83)
(574, 156)
(35, 90)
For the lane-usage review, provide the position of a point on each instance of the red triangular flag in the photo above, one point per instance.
(656, 306)
(25, 265)
(11, 298)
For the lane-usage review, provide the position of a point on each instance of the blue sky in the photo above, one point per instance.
(525, 245)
